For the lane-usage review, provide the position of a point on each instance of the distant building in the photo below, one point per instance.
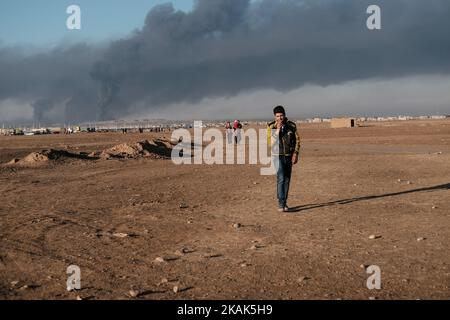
(437, 117)
(343, 123)
(6, 132)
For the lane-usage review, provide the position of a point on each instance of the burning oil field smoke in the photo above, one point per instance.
(223, 48)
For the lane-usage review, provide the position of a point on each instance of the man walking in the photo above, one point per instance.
(285, 142)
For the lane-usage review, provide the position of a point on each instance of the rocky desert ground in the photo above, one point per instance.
(141, 227)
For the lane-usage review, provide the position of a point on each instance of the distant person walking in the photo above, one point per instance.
(229, 132)
(285, 142)
(237, 126)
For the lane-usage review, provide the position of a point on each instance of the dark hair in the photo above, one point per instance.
(279, 109)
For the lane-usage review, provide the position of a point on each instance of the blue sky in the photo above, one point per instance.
(43, 22)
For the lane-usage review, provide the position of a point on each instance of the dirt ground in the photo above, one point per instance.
(216, 227)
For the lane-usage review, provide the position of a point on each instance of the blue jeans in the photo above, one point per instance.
(283, 179)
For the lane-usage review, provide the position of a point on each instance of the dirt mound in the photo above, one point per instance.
(43, 157)
(157, 149)
(35, 157)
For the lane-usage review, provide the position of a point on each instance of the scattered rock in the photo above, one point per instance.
(372, 298)
(373, 236)
(24, 287)
(133, 293)
(183, 205)
(433, 207)
(79, 298)
(183, 251)
(237, 225)
(302, 279)
(408, 182)
(120, 235)
(14, 283)
(159, 260)
(175, 289)
(421, 239)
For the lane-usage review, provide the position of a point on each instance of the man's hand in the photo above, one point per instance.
(294, 158)
(279, 124)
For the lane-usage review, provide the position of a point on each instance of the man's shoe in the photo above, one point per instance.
(280, 209)
(286, 209)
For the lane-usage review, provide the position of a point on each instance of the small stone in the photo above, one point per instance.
(363, 266)
(176, 289)
(183, 205)
(420, 239)
(120, 235)
(23, 287)
(14, 283)
(302, 278)
(164, 280)
(133, 293)
(244, 265)
(433, 207)
(79, 298)
(372, 298)
(159, 260)
(373, 236)
(408, 182)
(182, 251)
(355, 185)
(237, 225)
(255, 183)
(330, 229)
(253, 247)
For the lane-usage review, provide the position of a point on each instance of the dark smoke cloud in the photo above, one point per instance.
(225, 47)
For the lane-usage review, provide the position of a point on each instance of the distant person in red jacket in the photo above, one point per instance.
(237, 126)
